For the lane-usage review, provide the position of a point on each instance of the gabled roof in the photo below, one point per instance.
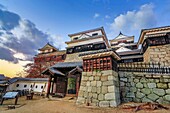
(2, 77)
(157, 29)
(123, 49)
(122, 36)
(53, 71)
(87, 31)
(48, 46)
(68, 64)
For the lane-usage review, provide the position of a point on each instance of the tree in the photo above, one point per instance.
(34, 70)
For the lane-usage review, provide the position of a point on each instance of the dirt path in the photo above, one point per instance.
(45, 106)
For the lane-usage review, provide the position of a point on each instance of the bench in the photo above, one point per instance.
(30, 96)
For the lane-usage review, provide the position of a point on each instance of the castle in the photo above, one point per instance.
(105, 73)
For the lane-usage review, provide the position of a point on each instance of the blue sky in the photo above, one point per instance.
(27, 25)
(62, 17)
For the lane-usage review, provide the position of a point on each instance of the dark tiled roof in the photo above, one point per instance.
(2, 77)
(98, 51)
(56, 71)
(3, 82)
(100, 28)
(15, 79)
(67, 64)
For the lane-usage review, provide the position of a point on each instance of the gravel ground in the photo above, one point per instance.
(42, 105)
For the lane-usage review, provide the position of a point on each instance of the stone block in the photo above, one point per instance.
(113, 103)
(80, 100)
(133, 89)
(145, 99)
(167, 97)
(85, 94)
(151, 85)
(82, 88)
(110, 77)
(104, 78)
(97, 78)
(143, 80)
(99, 83)
(89, 89)
(95, 101)
(88, 83)
(164, 80)
(104, 89)
(145, 85)
(91, 78)
(146, 91)
(139, 85)
(130, 95)
(98, 90)
(95, 95)
(169, 85)
(153, 97)
(136, 80)
(100, 97)
(90, 95)
(162, 85)
(81, 93)
(132, 84)
(108, 83)
(159, 92)
(127, 99)
(157, 80)
(122, 84)
(111, 89)
(93, 83)
(124, 79)
(151, 80)
(168, 91)
(104, 104)
(140, 95)
(107, 72)
(94, 89)
(109, 96)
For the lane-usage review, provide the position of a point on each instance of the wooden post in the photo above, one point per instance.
(52, 90)
(49, 86)
(2, 101)
(16, 100)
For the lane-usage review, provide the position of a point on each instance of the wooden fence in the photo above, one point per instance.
(144, 67)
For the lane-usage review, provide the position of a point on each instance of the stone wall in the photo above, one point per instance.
(141, 87)
(99, 89)
(157, 54)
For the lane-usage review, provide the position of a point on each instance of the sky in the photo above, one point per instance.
(27, 25)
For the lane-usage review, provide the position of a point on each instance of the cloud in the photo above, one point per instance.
(6, 54)
(20, 39)
(96, 15)
(133, 21)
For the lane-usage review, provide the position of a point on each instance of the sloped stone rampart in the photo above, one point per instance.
(99, 89)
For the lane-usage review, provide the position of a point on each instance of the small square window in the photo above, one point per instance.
(94, 34)
(25, 85)
(41, 87)
(36, 86)
(17, 85)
